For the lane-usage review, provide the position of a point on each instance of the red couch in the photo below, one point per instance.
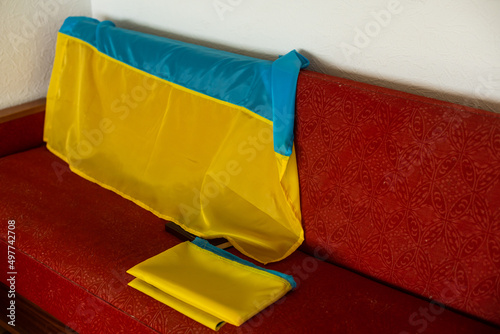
(401, 210)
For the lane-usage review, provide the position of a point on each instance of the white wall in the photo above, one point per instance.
(447, 49)
(28, 31)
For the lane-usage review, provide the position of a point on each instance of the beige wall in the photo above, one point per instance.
(28, 31)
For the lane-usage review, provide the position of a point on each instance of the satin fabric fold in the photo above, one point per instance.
(196, 135)
(208, 284)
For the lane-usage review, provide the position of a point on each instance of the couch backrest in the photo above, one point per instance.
(21, 127)
(402, 188)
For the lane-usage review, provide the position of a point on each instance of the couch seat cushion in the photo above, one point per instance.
(75, 240)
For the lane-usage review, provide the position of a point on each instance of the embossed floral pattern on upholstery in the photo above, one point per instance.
(402, 188)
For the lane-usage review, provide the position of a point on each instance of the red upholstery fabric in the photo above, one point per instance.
(70, 303)
(21, 134)
(75, 240)
(402, 188)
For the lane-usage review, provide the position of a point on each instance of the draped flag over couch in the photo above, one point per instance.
(198, 136)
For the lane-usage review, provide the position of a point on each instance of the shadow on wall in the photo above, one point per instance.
(480, 99)
(486, 86)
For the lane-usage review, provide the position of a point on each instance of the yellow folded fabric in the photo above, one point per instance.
(208, 284)
(196, 314)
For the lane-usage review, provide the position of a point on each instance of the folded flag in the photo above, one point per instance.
(198, 136)
(208, 284)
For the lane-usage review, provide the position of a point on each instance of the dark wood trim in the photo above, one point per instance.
(184, 235)
(22, 110)
(30, 318)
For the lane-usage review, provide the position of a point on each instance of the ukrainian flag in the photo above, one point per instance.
(195, 135)
(208, 284)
